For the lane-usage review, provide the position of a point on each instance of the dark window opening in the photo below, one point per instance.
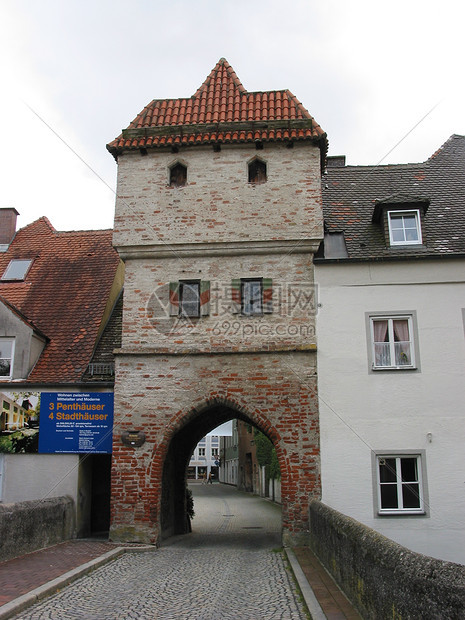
(178, 176)
(257, 172)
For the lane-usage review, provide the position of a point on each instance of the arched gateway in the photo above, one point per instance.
(219, 295)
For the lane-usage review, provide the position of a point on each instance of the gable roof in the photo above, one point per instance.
(354, 195)
(21, 317)
(220, 111)
(64, 293)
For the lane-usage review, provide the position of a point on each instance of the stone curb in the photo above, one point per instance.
(21, 603)
(309, 596)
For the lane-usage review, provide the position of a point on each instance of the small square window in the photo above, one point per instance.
(6, 357)
(399, 484)
(404, 227)
(17, 269)
(392, 342)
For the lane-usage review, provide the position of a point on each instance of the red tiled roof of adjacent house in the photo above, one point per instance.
(64, 293)
(221, 111)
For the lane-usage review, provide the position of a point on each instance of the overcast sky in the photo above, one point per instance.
(367, 71)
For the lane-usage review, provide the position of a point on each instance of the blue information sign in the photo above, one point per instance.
(76, 422)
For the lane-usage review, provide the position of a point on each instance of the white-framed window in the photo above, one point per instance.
(17, 269)
(201, 451)
(399, 482)
(404, 227)
(7, 346)
(392, 342)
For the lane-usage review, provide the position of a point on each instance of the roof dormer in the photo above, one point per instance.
(401, 218)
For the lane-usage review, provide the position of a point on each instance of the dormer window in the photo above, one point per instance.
(404, 227)
(17, 269)
(257, 172)
(178, 175)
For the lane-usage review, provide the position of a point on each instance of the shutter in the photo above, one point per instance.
(236, 296)
(174, 298)
(204, 297)
(267, 295)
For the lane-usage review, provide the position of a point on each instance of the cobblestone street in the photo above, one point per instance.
(228, 568)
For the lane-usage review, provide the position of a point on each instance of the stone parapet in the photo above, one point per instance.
(28, 526)
(380, 577)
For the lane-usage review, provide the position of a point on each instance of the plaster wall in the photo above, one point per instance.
(37, 476)
(27, 347)
(362, 411)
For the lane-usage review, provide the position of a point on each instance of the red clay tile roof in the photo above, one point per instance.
(64, 293)
(221, 111)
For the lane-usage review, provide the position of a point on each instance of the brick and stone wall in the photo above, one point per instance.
(275, 391)
(218, 204)
(146, 319)
(177, 379)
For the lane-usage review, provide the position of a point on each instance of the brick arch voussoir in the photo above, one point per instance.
(202, 405)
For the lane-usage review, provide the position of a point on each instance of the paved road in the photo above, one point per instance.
(227, 569)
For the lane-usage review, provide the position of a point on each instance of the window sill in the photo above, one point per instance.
(402, 513)
(395, 368)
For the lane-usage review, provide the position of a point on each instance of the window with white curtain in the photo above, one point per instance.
(392, 342)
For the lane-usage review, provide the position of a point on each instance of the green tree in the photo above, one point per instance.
(266, 455)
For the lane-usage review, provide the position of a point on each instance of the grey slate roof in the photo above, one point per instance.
(351, 193)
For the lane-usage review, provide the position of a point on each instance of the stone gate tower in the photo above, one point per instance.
(218, 216)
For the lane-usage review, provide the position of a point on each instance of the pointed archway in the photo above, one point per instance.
(196, 424)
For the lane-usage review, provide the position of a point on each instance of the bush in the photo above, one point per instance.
(189, 504)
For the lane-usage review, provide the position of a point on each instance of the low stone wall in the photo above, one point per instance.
(380, 577)
(27, 526)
